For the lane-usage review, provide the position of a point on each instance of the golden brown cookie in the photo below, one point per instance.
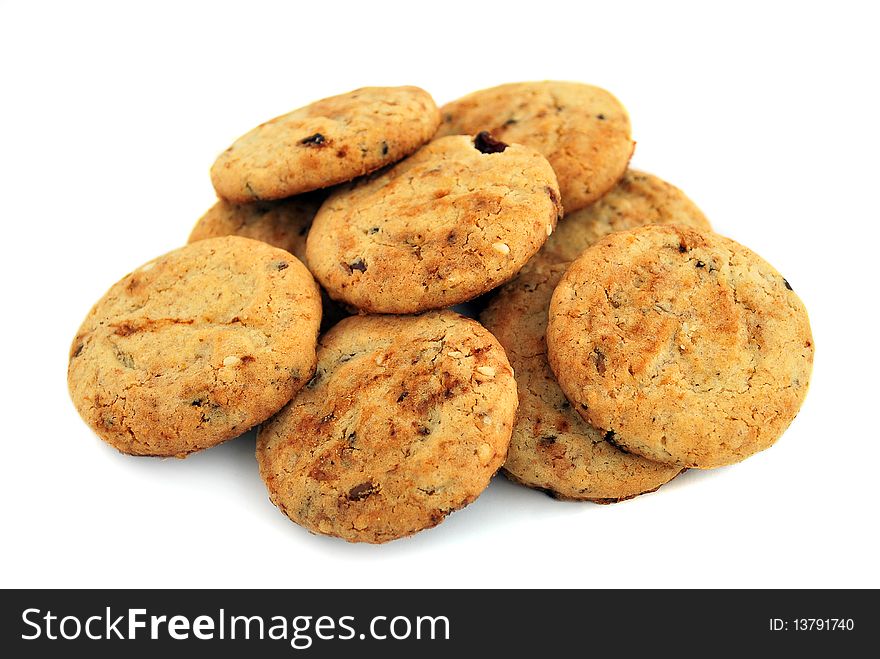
(453, 221)
(330, 141)
(406, 420)
(552, 448)
(636, 200)
(685, 346)
(582, 130)
(195, 347)
(284, 224)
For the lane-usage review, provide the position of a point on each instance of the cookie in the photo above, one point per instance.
(195, 347)
(582, 130)
(454, 220)
(405, 421)
(552, 448)
(684, 346)
(328, 142)
(283, 224)
(636, 200)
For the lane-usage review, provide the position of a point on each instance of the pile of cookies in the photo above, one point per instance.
(613, 352)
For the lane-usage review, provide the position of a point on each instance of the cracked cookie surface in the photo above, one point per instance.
(283, 224)
(582, 130)
(636, 200)
(405, 420)
(454, 220)
(684, 346)
(552, 448)
(327, 142)
(195, 347)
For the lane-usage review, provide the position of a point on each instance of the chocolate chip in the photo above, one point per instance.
(362, 491)
(424, 432)
(485, 143)
(282, 265)
(328, 418)
(450, 238)
(358, 265)
(565, 405)
(197, 402)
(700, 264)
(609, 436)
(787, 285)
(510, 122)
(552, 194)
(682, 248)
(313, 140)
(373, 230)
(547, 440)
(352, 438)
(600, 117)
(247, 359)
(384, 148)
(599, 358)
(77, 351)
(402, 396)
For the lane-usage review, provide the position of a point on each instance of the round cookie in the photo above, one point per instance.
(685, 346)
(330, 141)
(284, 224)
(552, 448)
(582, 130)
(636, 200)
(456, 219)
(405, 421)
(195, 347)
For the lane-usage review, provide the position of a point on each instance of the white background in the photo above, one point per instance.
(765, 113)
